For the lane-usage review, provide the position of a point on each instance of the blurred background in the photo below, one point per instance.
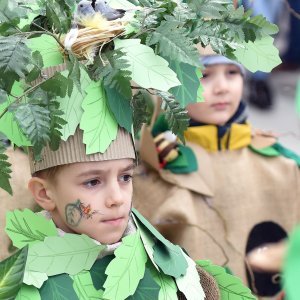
(272, 98)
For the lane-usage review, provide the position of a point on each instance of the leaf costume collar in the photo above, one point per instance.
(72, 258)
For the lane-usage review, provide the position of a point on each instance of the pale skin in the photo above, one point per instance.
(223, 89)
(104, 187)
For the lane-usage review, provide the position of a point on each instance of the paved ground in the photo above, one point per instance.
(282, 117)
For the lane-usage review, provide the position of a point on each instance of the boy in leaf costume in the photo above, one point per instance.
(66, 94)
(231, 188)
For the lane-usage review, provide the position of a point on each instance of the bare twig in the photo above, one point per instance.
(291, 10)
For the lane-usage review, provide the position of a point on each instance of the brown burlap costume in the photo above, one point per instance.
(211, 212)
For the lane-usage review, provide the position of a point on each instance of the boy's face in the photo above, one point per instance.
(93, 198)
(223, 88)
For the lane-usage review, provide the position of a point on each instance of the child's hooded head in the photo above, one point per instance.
(87, 194)
(222, 84)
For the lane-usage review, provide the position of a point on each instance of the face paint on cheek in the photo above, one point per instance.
(87, 212)
(74, 212)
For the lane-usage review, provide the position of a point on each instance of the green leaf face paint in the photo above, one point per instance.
(76, 211)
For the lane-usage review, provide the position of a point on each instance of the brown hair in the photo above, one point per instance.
(49, 173)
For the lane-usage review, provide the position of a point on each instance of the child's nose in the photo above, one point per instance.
(220, 84)
(114, 196)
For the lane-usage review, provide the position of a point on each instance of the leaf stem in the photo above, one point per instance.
(48, 33)
(20, 97)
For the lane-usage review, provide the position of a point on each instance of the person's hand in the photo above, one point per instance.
(268, 258)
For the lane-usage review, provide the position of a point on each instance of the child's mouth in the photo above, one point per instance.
(220, 105)
(114, 221)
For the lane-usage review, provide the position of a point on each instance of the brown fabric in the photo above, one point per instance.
(262, 139)
(73, 151)
(211, 212)
(21, 198)
(209, 285)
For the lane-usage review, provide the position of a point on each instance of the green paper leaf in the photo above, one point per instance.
(84, 288)
(260, 55)
(168, 288)
(7, 123)
(28, 293)
(291, 269)
(11, 274)
(189, 284)
(170, 260)
(71, 106)
(70, 254)
(148, 242)
(5, 170)
(230, 287)
(147, 289)
(36, 279)
(127, 269)
(49, 49)
(27, 228)
(98, 271)
(99, 125)
(187, 92)
(167, 256)
(148, 70)
(120, 106)
(58, 287)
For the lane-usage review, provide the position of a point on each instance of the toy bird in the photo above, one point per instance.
(84, 9)
(108, 12)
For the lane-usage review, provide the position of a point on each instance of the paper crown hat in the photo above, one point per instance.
(112, 66)
(73, 149)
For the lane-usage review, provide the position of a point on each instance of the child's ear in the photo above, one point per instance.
(39, 189)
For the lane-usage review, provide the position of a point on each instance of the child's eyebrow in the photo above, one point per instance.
(129, 168)
(99, 172)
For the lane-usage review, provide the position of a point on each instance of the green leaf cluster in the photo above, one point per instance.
(176, 116)
(155, 55)
(59, 14)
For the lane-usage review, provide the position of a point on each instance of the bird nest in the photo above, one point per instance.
(90, 39)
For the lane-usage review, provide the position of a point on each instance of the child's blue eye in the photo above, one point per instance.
(126, 178)
(91, 183)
